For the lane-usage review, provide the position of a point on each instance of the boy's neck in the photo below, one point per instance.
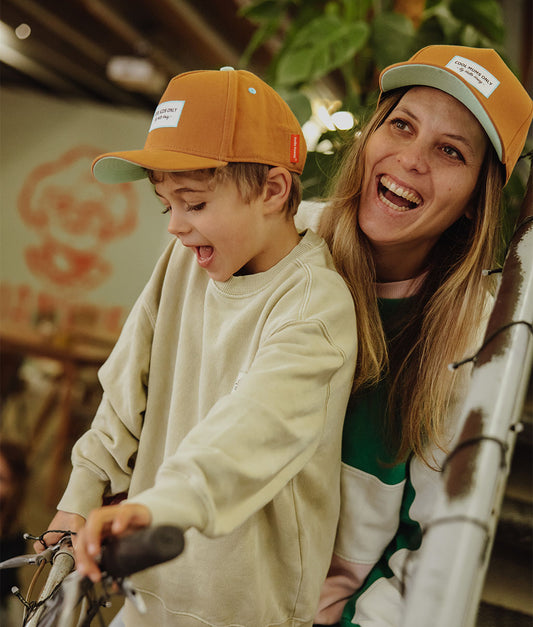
(283, 238)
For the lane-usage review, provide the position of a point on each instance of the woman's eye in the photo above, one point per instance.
(399, 124)
(197, 207)
(453, 152)
(165, 210)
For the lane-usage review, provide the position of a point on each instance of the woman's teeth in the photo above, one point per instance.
(397, 197)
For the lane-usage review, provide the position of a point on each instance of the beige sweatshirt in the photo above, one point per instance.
(222, 412)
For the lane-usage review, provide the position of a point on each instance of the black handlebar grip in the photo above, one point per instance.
(148, 547)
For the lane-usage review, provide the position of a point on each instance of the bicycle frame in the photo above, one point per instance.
(62, 565)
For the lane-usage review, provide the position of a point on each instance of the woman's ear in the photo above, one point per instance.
(277, 189)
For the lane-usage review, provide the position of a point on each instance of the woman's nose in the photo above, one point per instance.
(415, 156)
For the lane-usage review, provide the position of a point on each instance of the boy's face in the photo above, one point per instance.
(226, 234)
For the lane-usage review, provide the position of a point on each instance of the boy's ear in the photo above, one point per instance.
(277, 189)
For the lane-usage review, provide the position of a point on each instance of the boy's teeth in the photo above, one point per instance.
(204, 251)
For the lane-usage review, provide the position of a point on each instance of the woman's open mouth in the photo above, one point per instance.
(397, 197)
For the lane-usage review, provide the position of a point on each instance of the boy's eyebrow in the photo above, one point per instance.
(183, 190)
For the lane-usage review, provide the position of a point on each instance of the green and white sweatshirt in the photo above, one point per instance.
(385, 508)
(378, 526)
(222, 412)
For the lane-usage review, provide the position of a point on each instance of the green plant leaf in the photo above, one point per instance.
(485, 16)
(262, 34)
(392, 37)
(317, 174)
(299, 104)
(263, 10)
(441, 16)
(320, 47)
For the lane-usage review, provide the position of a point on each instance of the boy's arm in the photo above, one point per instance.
(256, 439)
(102, 458)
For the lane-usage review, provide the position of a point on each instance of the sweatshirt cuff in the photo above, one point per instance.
(185, 511)
(83, 493)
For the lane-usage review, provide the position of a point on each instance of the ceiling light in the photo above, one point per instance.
(136, 73)
(23, 31)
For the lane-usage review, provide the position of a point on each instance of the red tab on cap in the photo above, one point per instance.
(295, 148)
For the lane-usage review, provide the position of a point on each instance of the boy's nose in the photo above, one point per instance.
(178, 224)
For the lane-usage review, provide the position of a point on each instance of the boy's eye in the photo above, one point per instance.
(197, 207)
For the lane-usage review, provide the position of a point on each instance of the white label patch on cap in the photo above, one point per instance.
(167, 114)
(474, 74)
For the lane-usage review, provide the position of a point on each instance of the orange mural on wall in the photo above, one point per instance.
(75, 217)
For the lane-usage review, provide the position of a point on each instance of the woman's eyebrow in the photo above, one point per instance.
(405, 110)
(462, 139)
(452, 136)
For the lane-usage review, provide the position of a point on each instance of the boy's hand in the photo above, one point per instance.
(63, 521)
(113, 520)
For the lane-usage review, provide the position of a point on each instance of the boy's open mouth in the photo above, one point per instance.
(204, 254)
(397, 197)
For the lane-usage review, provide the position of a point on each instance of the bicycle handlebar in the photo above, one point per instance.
(142, 549)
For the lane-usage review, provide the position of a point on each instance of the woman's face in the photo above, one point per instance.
(421, 167)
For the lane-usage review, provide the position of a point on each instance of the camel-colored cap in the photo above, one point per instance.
(482, 82)
(207, 119)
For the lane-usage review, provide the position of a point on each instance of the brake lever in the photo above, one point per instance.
(32, 558)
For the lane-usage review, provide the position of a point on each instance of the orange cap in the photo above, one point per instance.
(482, 82)
(206, 119)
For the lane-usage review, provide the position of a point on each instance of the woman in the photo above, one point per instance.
(413, 220)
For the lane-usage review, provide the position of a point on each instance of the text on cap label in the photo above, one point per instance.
(475, 74)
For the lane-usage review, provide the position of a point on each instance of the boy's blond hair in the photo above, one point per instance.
(249, 178)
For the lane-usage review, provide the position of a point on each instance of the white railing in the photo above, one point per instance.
(446, 587)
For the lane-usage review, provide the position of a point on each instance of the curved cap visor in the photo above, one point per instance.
(452, 84)
(127, 166)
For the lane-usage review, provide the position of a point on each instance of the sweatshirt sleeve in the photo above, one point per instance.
(257, 438)
(103, 458)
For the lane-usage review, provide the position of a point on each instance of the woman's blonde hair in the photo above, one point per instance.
(447, 310)
(249, 178)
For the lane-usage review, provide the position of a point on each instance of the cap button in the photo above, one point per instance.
(227, 68)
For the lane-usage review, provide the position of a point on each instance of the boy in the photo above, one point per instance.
(225, 394)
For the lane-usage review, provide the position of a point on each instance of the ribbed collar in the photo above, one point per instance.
(250, 283)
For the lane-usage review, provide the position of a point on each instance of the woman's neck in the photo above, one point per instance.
(393, 265)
